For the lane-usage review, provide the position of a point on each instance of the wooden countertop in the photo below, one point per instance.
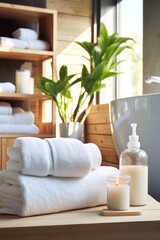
(84, 224)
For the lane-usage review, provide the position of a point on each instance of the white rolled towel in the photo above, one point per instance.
(19, 116)
(25, 33)
(60, 157)
(5, 108)
(37, 44)
(22, 117)
(6, 42)
(7, 87)
(73, 158)
(28, 195)
(6, 119)
(19, 128)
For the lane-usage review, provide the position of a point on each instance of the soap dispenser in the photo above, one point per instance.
(134, 162)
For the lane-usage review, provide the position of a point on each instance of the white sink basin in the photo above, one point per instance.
(145, 111)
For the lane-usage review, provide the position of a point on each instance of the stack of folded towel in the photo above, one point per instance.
(52, 175)
(7, 87)
(16, 120)
(24, 38)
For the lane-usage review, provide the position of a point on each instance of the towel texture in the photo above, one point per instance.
(6, 42)
(19, 128)
(25, 33)
(5, 108)
(27, 195)
(22, 117)
(7, 87)
(60, 157)
(37, 44)
(18, 116)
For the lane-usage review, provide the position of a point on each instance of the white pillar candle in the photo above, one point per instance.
(24, 82)
(118, 193)
(138, 184)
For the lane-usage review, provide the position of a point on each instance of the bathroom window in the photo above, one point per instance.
(127, 20)
(130, 23)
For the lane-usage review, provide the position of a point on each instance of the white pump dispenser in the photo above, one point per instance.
(133, 139)
(133, 162)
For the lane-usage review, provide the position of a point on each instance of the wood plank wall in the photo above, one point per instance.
(98, 131)
(74, 24)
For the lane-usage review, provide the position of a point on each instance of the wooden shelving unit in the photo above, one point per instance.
(23, 97)
(46, 22)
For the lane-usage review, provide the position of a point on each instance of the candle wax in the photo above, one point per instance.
(118, 196)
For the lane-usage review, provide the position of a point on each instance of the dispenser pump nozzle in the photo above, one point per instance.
(133, 139)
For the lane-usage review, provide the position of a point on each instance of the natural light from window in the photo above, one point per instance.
(129, 24)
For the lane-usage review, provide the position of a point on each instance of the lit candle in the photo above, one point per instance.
(118, 193)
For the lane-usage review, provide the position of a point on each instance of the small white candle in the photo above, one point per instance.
(118, 194)
(24, 83)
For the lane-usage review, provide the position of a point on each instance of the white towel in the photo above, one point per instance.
(5, 108)
(6, 42)
(27, 195)
(6, 119)
(19, 116)
(7, 87)
(60, 157)
(22, 117)
(72, 157)
(25, 33)
(19, 128)
(37, 44)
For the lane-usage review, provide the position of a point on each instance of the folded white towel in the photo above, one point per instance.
(19, 116)
(60, 157)
(19, 128)
(6, 119)
(6, 42)
(27, 195)
(37, 44)
(5, 108)
(25, 33)
(22, 117)
(7, 87)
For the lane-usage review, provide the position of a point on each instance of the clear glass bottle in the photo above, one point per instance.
(134, 162)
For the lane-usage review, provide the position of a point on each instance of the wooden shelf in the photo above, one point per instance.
(20, 96)
(15, 11)
(25, 54)
(44, 22)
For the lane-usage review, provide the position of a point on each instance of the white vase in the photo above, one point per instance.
(72, 130)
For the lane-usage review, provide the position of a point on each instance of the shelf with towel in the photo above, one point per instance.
(28, 36)
(31, 37)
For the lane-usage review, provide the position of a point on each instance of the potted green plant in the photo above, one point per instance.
(102, 57)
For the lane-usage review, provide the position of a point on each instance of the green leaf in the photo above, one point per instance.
(88, 46)
(63, 73)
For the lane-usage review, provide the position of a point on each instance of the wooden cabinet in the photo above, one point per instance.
(45, 21)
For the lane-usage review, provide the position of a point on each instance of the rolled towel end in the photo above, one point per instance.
(94, 154)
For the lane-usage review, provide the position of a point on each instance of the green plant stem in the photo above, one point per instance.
(85, 113)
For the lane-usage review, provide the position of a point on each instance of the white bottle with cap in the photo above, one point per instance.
(134, 162)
